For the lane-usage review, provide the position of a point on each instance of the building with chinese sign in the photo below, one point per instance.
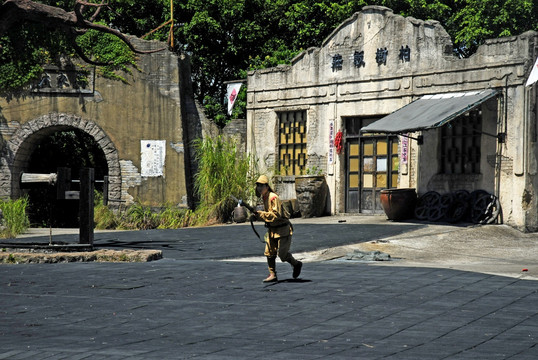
(385, 103)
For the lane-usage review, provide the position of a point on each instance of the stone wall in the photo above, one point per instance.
(237, 131)
(23, 140)
(156, 103)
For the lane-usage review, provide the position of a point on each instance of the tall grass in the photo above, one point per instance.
(15, 220)
(103, 217)
(223, 170)
(140, 217)
(173, 218)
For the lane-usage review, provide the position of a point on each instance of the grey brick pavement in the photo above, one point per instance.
(190, 305)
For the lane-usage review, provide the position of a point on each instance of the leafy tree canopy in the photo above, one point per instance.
(228, 37)
(36, 33)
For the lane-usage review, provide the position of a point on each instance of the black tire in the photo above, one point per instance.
(486, 209)
(438, 211)
(457, 211)
(425, 203)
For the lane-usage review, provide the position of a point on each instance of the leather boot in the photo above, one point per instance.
(295, 264)
(271, 264)
(271, 278)
(297, 269)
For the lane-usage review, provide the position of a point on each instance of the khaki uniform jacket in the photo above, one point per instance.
(277, 224)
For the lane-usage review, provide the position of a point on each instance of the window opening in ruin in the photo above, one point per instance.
(460, 144)
(292, 143)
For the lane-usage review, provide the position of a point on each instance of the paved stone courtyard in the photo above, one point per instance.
(198, 302)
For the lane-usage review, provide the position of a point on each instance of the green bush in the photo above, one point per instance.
(172, 217)
(15, 218)
(223, 171)
(103, 217)
(141, 217)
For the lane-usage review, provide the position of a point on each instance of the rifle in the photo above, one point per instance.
(252, 210)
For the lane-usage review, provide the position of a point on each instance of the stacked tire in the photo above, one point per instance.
(479, 207)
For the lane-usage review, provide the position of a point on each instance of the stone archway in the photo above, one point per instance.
(19, 148)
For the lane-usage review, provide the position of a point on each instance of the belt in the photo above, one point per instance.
(267, 225)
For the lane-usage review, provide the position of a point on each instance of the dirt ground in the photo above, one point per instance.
(491, 249)
(18, 256)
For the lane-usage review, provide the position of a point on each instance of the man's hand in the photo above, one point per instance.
(242, 203)
(250, 208)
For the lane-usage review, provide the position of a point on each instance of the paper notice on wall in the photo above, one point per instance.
(331, 152)
(152, 157)
(330, 156)
(404, 147)
(404, 154)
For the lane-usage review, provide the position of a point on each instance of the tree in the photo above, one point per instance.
(471, 22)
(481, 20)
(34, 33)
(225, 38)
(228, 37)
(73, 23)
(309, 22)
(220, 36)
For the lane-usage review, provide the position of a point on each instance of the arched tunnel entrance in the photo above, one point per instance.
(61, 147)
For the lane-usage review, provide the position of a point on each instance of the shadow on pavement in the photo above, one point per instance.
(233, 241)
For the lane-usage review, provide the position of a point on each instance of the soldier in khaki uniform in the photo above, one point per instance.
(279, 230)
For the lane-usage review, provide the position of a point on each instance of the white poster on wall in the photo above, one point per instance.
(330, 154)
(152, 157)
(330, 157)
(404, 154)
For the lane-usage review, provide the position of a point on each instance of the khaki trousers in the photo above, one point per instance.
(280, 247)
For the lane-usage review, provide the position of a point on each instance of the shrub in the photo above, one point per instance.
(103, 217)
(140, 217)
(223, 171)
(15, 218)
(172, 217)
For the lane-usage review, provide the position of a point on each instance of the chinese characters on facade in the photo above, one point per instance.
(381, 57)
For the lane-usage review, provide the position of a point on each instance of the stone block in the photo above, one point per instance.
(312, 194)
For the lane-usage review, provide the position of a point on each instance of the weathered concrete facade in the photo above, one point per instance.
(157, 104)
(330, 94)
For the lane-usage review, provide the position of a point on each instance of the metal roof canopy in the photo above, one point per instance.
(430, 111)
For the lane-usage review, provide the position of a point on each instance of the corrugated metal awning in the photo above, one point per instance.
(428, 112)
